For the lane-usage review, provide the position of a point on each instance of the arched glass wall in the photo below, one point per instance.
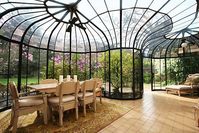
(47, 38)
(169, 71)
(174, 66)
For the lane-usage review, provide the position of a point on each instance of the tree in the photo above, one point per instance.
(115, 70)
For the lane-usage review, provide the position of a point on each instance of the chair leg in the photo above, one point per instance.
(94, 105)
(14, 127)
(84, 106)
(101, 97)
(179, 93)
(12, 118)
(45, 110)
(61, 116)
(198, 122)
(76, 111)
(45, 115)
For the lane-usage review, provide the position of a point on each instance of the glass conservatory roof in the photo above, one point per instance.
(157, 27)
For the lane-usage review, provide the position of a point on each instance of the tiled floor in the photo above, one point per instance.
(157, 112)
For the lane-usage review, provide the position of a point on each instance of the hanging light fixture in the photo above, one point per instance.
(184, 44)
(184, 41)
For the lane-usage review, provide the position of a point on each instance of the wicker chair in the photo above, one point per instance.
(66, 98)
(25, 105)
(88, 94)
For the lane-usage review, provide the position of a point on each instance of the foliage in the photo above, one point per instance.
(147, 77)
(34, 63)
(179, 68)
(31, 80)
(5, 57)
(191, 64)
(59, 65)
(174, 70)
(115, 70)
(147, 70)
(159, 77)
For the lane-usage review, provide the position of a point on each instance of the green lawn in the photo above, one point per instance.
(30, 80)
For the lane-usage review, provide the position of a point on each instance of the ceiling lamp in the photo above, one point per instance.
(184, 44)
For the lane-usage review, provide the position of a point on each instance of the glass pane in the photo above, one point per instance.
(4, 73)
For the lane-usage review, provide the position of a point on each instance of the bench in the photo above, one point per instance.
(189, 86)
(179, 89)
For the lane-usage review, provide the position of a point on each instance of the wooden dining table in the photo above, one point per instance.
(44, 88)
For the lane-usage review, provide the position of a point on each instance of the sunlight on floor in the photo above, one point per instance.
(157, 112)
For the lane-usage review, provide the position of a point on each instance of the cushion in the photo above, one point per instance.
(192, 79)
(178, 87)
(26, 102)
(66, 98)
(87, 94)
(196, 74)
(195, 79)
(188, 80)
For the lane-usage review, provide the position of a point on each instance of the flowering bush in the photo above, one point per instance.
(59, 65)
(81, 64)
(28, 56)
(57, 59)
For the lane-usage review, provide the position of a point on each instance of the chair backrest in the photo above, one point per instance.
(99, 82)
(13, 91)
(89, 85)
(65, 79)
(48, 81)
(68, 87)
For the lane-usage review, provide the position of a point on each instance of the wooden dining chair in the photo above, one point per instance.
(98, 89)
(48, 81)
(88, 94)
(66, 98)
(25, 105)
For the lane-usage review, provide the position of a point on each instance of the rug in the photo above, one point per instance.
(93, 122)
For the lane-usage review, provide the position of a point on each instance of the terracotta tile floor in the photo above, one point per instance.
(157, 112)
